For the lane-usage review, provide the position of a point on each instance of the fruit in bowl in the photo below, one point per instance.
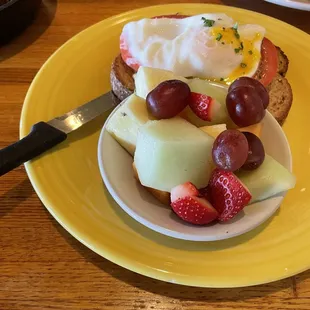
(205, 174)
(171, 152)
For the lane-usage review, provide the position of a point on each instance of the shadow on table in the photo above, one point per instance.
(180, 292)
(41, 22)
(14, 196)
(293, 17)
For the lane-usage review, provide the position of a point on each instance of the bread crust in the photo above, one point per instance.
(283, 62)
(121, 78)
(281, 98)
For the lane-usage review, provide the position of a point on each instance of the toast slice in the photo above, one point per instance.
(121, 78)
(283, 62)
(163, 197)
(281, 98)
(280, 91)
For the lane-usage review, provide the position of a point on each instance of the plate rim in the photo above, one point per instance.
(80, 236)
(291, 4)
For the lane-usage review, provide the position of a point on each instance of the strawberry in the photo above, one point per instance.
(194, 210)
(228, 194)
(187, 204)
(205, 107)
(183, 190)
(206, 193)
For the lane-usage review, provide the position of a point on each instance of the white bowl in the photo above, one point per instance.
(117, 173)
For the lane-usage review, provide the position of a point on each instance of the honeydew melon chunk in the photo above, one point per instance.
(171, 152)
(146, 79)
(127, 120)
(215, 91)
(214, 130)
(256, 129)
(269, 179)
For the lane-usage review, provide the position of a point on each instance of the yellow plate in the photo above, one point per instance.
(68, 181)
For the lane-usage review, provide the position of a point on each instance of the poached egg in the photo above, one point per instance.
(209, 46)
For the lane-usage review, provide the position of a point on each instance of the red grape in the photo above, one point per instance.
(245, 106)
(168, 99)
(258, 86)
(256, 153)
(230, 150)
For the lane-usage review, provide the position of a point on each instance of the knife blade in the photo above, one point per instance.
(45, 135)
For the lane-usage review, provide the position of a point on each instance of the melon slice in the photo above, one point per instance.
(127, 120)
(270, 179)
(214, 130)
(171, 152)
(147, 79)
(256, 129)
(217, 92)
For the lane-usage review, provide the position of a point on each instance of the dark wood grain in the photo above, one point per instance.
(42, 266)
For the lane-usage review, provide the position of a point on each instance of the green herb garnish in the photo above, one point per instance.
(237, 50)
(219, 37)
(243, 65)
(208, 22)
(221, 79)
(237, 35)
(250, 52)
(235, 29)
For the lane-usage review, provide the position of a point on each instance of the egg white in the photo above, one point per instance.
(189, 48)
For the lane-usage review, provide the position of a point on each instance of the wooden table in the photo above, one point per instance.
(41, 265)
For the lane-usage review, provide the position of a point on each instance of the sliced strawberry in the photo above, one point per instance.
(183, 190)
(204, 106)
(228, 194)
(126, 55)
(206, 193)
(194, 210)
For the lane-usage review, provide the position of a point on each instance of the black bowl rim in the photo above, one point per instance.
(8, 4)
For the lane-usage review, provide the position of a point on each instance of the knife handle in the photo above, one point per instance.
(41, 138)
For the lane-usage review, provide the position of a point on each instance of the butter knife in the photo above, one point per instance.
(45, 135)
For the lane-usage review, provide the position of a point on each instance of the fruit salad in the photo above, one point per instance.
(196, 145)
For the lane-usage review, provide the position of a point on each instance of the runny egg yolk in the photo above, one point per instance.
(242, 46)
